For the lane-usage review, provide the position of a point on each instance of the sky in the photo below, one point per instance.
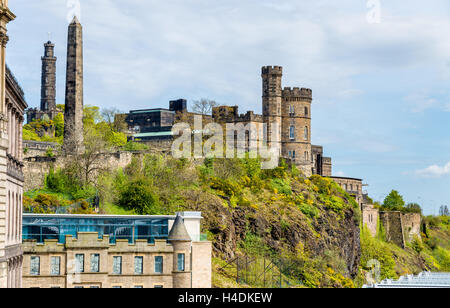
(379, 71)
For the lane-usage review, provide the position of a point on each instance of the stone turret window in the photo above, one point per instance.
(306, 135)
(306, 156)
(306, 111)
(181, 262)
(292, 132)
(291, 110)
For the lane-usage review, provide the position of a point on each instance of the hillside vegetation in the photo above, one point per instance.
(309, 229)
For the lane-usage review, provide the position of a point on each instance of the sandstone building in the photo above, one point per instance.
(104, 251)
(12, 106)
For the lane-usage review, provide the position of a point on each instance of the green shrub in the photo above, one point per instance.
(138, 196)
(282, 186)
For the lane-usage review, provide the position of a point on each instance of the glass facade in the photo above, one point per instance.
(43, 227)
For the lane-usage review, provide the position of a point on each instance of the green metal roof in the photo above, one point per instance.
(155, 134)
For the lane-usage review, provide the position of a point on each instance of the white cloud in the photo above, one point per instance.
(435, 171)
(339, 173)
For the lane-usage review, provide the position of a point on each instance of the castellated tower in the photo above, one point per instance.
(296, 127)
(272, 104)
(48, 79)
(73, 116)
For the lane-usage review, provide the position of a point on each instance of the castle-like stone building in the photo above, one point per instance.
(12, 106)
(286, 115)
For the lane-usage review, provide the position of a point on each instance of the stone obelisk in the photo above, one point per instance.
(73, 115)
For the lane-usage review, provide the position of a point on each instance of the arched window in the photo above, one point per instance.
(306, 111)
(292, 132)
(306, 156)
(306, 136)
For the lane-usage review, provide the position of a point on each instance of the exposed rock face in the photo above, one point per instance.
(326, 233)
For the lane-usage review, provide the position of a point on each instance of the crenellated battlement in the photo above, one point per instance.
(272, 70)
(303, 93)
(250, 116)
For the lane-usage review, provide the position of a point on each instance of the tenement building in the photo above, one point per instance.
(12, 106)
(102, 251)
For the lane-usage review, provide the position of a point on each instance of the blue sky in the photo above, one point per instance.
(381, 90)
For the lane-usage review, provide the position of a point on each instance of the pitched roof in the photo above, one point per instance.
(178, 231)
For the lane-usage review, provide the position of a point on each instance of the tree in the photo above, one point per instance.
(59, 125)
(204, 106)
(115, 119)
(443, 211)
(394, 201)
(414, 208)
(138, 196)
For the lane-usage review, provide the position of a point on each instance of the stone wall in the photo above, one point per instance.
(370, 218)
(401, 228)
(37, 168)
(411, 225)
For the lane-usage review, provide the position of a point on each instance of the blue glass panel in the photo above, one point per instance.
(41, 228)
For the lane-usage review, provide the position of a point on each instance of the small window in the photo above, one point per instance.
(55, 266)
(159, 287)
(306, 111)
(292, 132)
(138, 287)
(35, 266)
(181, 262)
(293, 154)
(138, 265)
(306, 133)
(79, 263)
(117, 265)
(117, 287)
(159, 266)
(95, 263)
(306, 156)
